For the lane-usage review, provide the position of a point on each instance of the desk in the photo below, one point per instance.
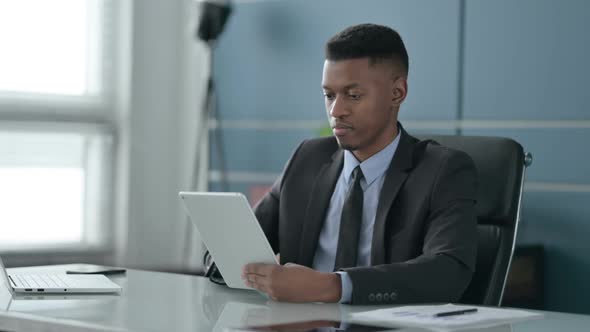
(155, 301)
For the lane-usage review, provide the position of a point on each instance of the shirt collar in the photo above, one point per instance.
(373, 167)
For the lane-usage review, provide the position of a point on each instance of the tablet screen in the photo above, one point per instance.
(230, 231)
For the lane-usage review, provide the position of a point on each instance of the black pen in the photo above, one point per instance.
(456, 312)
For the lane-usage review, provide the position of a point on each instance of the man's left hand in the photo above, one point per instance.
(292, 282)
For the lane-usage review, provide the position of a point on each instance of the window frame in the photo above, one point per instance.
(91, 114)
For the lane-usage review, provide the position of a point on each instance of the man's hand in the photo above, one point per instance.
(292, 282)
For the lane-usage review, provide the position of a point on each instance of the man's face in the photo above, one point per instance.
(362, 101)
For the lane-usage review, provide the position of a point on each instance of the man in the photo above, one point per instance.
(371, 215)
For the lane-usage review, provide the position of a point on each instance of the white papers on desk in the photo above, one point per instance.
(423, 316)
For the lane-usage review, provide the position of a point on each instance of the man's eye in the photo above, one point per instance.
(329, 96)
(354, 96)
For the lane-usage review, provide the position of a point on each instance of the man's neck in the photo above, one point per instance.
(364, 155)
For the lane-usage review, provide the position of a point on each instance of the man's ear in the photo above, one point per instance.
(399, 90)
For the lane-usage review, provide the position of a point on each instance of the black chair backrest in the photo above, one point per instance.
(500, 165)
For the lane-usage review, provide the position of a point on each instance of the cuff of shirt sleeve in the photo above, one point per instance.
(346, 290)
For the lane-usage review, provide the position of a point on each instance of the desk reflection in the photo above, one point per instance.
(240, 314)
(221, 309)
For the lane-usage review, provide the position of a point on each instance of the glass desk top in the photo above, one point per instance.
(156, 301)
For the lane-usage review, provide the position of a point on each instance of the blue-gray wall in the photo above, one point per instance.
(497, 67)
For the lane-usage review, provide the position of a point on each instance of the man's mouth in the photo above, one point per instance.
(341, 130)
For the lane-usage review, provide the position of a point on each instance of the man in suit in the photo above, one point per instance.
(371, 215)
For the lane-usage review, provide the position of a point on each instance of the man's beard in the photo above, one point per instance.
(345, 146)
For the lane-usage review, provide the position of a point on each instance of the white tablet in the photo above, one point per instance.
(230, 231)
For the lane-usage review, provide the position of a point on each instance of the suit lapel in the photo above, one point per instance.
(394, 179)
(317, 207)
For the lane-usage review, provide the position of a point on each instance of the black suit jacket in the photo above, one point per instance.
(424, 238)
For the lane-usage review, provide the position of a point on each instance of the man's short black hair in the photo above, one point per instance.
(377, 42)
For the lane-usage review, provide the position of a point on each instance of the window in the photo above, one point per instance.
(51, 182)
(55, 134)
(51, 47)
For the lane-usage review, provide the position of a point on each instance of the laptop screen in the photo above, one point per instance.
(4, 275)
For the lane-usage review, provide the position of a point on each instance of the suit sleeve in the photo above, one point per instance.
(267, 209)
(443, 270)
(267, 213)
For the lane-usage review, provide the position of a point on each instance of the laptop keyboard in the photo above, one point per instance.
(42, 281)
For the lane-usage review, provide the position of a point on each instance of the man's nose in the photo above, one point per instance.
(338, 109)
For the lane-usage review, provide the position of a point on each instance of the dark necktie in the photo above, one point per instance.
(350, 223)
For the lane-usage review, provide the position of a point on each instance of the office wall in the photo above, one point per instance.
(509, 68)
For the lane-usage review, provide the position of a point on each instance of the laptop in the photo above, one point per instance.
(230, 231)
(57, 283)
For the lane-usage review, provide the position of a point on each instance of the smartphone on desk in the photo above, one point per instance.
(95, 269)
(315, 326)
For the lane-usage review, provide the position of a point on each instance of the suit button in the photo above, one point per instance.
(371, 297)
(393, 296)
(379, 297)
(386, 297)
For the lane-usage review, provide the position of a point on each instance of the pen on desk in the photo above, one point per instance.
(455, 312)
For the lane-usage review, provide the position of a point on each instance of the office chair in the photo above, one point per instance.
(501, 165)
